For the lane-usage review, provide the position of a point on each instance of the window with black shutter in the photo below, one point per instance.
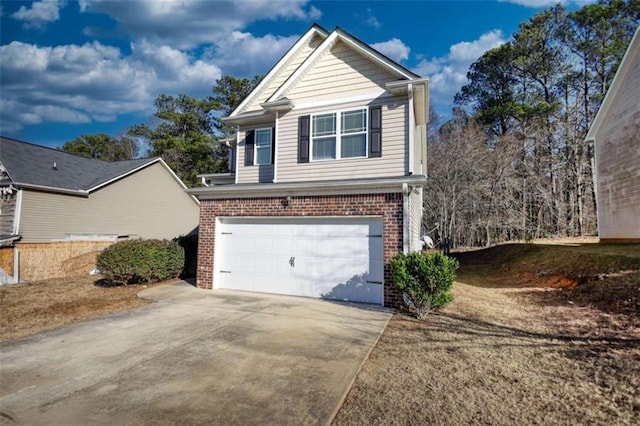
(303, 139)
(249, 143)
(375, 131)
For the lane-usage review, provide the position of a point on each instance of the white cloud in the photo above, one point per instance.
(547, 3)
(189, 23)
(371, 19)
(40, 12)
(448, 73)
(242, 54)
(93, 82)
(394, 49)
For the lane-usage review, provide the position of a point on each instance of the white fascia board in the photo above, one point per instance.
(261, 190)
(281, 105)
(372, 54)
(44, 188)
(625, 65)
(247, 117)
(400, 86)
(277, 68)
(147, 164)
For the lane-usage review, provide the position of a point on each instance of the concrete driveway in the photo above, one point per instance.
(194, 357)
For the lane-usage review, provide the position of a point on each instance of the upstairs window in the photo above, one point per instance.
(339, 135)
(263, 146)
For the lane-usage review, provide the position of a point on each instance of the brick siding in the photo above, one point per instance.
(388, 206)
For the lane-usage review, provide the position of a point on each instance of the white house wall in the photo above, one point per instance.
(618, 160)
(148, 204)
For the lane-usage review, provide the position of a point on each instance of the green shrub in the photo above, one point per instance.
(141, 261)
(425, 280)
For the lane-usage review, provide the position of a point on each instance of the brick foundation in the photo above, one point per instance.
(388, 206)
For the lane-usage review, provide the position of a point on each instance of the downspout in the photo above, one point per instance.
(17, 213)
(275, 149)
(16, 231)
(237, 153)
(411, 127)
(405, 218)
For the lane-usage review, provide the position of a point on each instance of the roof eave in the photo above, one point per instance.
(623, 69)
(307, 188)
(280, 105)
(247, 117)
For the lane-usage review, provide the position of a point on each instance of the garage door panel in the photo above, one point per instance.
(337, 258)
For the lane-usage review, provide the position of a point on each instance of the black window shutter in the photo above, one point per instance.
(375, 131)
(249, 142)
(273, 145)
(303, 138)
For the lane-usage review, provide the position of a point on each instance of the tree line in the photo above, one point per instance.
(185, 132)
(512, 162)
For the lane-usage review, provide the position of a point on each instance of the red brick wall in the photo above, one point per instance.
(389, 206)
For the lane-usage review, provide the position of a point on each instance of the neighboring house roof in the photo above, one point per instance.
(630, 61)
(278, 97)
(34, 166)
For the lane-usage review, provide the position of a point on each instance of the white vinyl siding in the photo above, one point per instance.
(147, 204)
(288, 69)
(339, 72)
(618, 157)
(393, 162)
(255, 173)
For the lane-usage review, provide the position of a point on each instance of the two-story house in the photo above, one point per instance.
(330, 163)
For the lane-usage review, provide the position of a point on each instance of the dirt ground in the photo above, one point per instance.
(30, 308)
(537, 336)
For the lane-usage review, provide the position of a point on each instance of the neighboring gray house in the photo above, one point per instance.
(57, 206)
(616, 135)
(330, 153)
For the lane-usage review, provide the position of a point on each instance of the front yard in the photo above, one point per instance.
(513, 348)
(30, 308)
(535, 335)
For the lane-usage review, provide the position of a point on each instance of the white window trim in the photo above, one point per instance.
(338, 134)
(255, 147)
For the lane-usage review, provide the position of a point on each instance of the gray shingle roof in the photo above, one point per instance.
(30, 164)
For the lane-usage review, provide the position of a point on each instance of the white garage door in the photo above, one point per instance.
(333, 258)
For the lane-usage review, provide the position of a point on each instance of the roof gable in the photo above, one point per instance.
(280, 71)
(630, 62)
(339, 35)
(47, 168)
(297, 62)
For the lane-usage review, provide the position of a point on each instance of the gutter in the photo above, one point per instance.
(77, 192)
(253, 190)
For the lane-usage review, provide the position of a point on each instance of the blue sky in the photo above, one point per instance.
(73, 67)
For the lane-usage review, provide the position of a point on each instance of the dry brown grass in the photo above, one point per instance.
(30, 308)
(512, 349)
